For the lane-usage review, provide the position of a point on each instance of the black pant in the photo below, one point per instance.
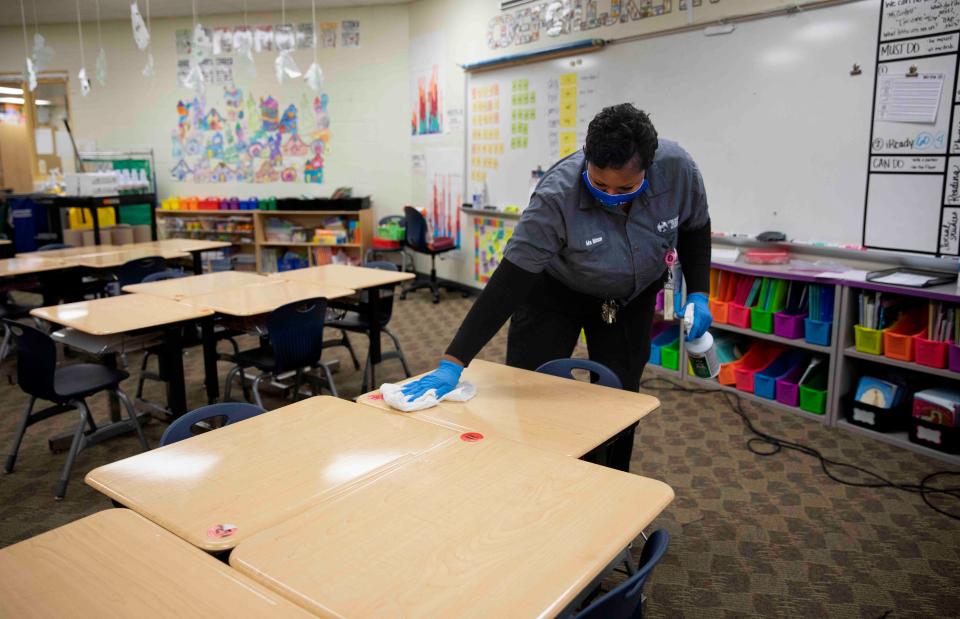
(547, 327)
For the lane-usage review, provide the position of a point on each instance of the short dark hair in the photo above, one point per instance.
(618, 134)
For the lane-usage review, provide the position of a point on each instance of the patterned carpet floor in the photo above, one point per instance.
(750, 535)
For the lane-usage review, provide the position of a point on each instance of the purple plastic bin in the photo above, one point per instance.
(788, 386)
(789, 326)
(659, 306)
(954, 355)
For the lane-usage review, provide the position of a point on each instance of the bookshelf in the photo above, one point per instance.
(276, 232)
(234, 227)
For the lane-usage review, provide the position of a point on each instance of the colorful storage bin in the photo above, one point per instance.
(753, 363)
(765, 381)
(789, 326)
(761, 320)
(738, 315)
(929, 353)
(817, 331)
(670, 335)
(868, 340)
(898, 340)
(813, 392)
(954, 358)
(718, 309)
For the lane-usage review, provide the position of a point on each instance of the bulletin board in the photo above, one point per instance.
(913, 182)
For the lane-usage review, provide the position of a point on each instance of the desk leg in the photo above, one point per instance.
(96, 224)
(210, 377)
(111, 362)
(171, 369)
(373, 316)
(197, 263)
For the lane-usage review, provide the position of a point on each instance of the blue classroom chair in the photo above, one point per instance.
(625, 601)
(227, 412)
(599, 373)
(134, 271)
(67, 387)
(294, 343)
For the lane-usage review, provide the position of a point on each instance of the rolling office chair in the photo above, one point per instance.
(67, 387)
(222, 414)
(357, 323)
(417, 241)
(295, 343)
(625, 601)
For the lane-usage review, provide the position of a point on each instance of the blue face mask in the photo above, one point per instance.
(612, 200)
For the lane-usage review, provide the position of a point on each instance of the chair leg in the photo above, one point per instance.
(256, 390)
(5, 346)
(75, 448)
(434, 287)
(18, 437)
(132, 413)
(349, 345)
(297, 384)
(329, 378)
(228, 382)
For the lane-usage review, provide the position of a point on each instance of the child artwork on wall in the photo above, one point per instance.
(252, 141)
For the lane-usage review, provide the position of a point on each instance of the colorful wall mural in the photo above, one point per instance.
(253, 140)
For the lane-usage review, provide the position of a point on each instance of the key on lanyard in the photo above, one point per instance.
(608, 311)
(672, 286)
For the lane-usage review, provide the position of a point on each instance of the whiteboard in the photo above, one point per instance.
(778, 126)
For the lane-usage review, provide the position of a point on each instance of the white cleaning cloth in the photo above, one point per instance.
(393, 395)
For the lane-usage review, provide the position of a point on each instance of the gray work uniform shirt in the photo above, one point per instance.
(601, 251)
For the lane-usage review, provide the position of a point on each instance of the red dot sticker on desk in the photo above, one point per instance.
(221, 530)
(375, 396)
(471, 437)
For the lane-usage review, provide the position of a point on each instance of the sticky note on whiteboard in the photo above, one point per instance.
(909, 99)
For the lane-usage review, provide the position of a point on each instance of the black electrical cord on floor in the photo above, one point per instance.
(776, 445)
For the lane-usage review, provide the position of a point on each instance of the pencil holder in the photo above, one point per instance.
(738, 315)
(718, 309)
(868, 340)
(954, 358)
(761, 320)
(930, 353)
(817, 331)
(898, 340)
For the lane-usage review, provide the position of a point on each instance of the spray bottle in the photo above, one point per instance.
(701, 351)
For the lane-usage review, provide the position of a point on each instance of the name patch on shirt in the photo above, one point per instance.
(596, 240)
(668, 224)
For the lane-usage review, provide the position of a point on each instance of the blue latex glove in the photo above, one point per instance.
(702, 319)
(444, 379)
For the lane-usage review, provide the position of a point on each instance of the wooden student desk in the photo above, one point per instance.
(263, 297)
(183, 287)
(194, 247)
(26, 265)
(70, 251)
(358, 278)
(257, 473)
(470, 529)
(132, 312)
(117, 564)
(568, 417)
(113, 258)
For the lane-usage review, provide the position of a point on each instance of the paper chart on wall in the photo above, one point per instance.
(252, 140)
(490, 236)
(427, 85)
(444, 186)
